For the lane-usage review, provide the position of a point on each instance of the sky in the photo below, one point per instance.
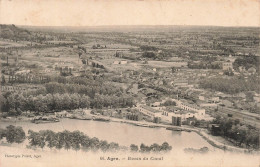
(130, 12)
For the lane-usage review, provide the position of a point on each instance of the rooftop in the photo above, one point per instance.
(149, 108)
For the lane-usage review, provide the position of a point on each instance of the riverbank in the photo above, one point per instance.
(201, 132)
(206, 136)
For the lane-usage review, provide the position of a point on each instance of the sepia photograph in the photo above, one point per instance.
(130, 83)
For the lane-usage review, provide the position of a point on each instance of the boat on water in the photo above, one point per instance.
(174, 129)
(142, 125)
(80, 117)
(100, 119)
(178, 129)
(39, 120)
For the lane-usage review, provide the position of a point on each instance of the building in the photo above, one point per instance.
(226, 66)
(116, 62)
(176, 121)
(190, 107)
(146, 110)
(123, 62)
(134, 117)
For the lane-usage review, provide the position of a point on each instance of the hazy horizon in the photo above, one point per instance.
(229, 13)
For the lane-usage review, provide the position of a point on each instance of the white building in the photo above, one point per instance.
(190, 107)
(146, 110)
(116, 62)
(123, 62)
(227, 66)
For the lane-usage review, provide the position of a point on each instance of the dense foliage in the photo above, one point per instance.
(12, 134)
(169, 103)
(247, 62)
(75, 140)
(231, 85)
(237, 132)
(204, 65)
(89, 90)
(165, 147)
(148, 48)
(151, 55)
(66, 93)
(15, 103)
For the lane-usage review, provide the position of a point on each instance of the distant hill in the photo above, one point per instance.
(14, 33)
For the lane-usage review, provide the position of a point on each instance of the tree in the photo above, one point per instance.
(94, 143)
(60, 137)
(166, 147)
(144, 148)
(113, 146)
(155, 147)
(85, 142)
(36, 139)
(50, 138)
(104, 146)
(67, 140)
(75, 139)
(3, 80)
(169, 103)
(134, 148)
(15, 134)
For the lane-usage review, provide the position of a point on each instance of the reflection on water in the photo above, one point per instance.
(124, 134)
(176, 133)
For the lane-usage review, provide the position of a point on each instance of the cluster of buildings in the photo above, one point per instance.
(175, 115)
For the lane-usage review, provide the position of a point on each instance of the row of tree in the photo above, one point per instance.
(231, 85)
(75, 140)
(15, 103)
(89, 90)
(204, 65)
(165, 147)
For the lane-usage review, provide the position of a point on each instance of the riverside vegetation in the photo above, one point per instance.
(75, 140)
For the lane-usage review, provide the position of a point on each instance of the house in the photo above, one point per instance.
(214, 99)
(202, 98)
(123, 62)
(226, 66)
(116, 62)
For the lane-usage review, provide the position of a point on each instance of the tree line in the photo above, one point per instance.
(231, 85)
(238, 133)
(165, 147)
(74, 140)
(247, 62)
(89, 90)
(67, 140)
(16, 103)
